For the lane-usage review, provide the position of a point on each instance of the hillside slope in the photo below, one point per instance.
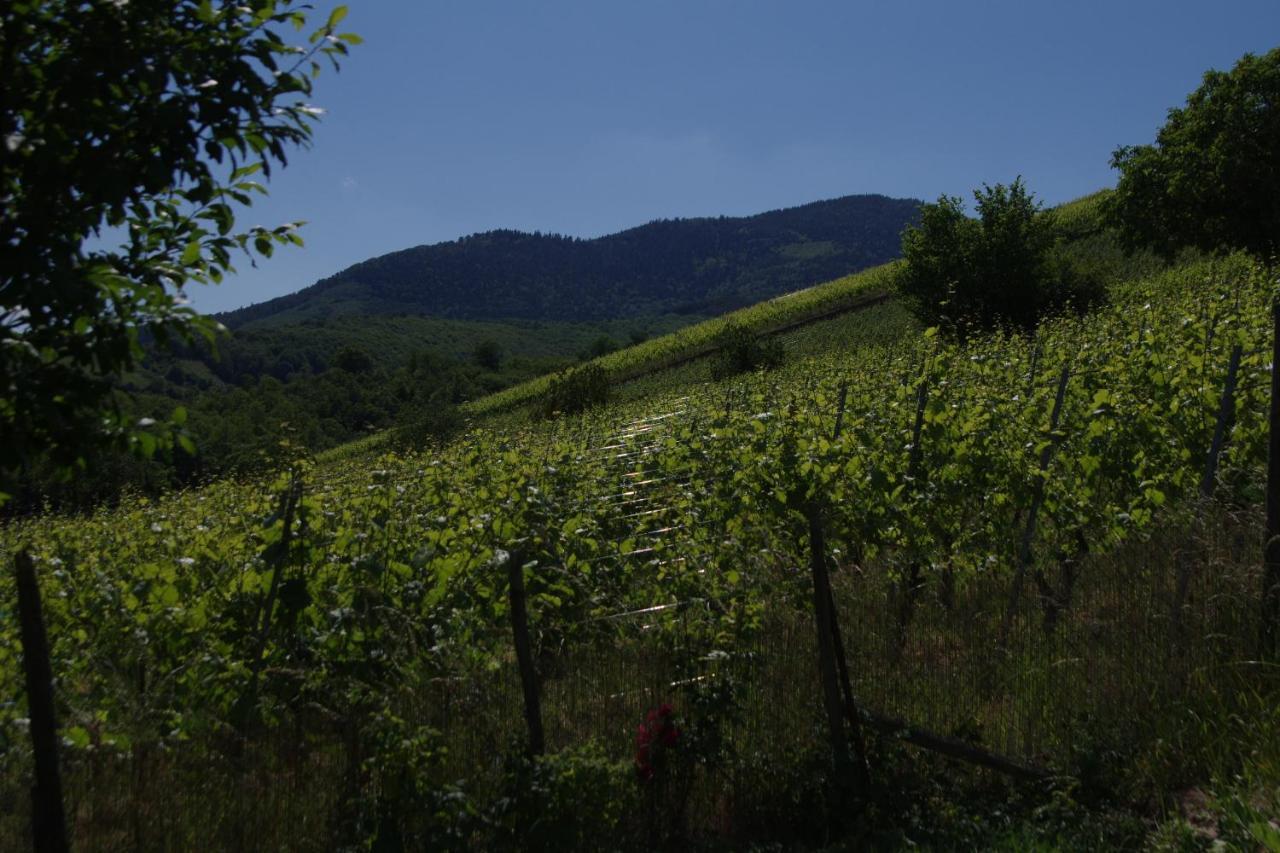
(664, 541)
(687, 266)
(1089, 246)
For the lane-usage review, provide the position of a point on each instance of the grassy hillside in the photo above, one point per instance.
(832, 313)
(665, 544)
(851, 293)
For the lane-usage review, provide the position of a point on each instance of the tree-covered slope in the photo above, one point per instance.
(690, 266)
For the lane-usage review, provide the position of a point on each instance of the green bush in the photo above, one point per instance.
(740, 350)
(488, 354)
(576, 799)
(602, 345)
(1004, 268)
(426, 421)
(575, 390)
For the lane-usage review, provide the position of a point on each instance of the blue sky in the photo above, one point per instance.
(588, 117)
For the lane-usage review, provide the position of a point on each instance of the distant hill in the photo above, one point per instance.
(700, 266)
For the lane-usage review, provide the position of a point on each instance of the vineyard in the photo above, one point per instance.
(863, 289)
(1036, 546)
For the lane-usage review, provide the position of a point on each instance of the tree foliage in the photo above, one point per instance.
(575, 390)
(353, 360)
(742, 350)
(129, 136)
(488, 354)
(1000, 269)
(602, 345)
(1212, 178)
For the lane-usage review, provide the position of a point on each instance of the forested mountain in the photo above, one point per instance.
(686, 266)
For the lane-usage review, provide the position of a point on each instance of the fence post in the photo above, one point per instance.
(913, 582)
(524, 653)
(1025, 555)
(1226, 408)
(1208, 483)
(922, 401)
(826, 659)
(1271, 557)
(851, 710)
(844, 398)
(1057, 601)
(48, 820)
(277, 556)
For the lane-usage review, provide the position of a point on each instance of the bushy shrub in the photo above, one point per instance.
(430, 419)
(488, 354)
(740, 350)
(576, 799)
(575, 390)
(602, 345)
(1002, 269)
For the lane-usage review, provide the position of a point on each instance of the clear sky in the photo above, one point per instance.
(588, 117)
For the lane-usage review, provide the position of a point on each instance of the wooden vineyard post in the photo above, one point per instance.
(852, 712)
(48, 821)
(1271, 556)
(922, 401)
(911, 587)
(277, 556)
(826, 648)
(524, 653)
(1226, 409)
(844, 398)
(1208, 483)
(857, 714)
(1057, 601)
(1025, 555)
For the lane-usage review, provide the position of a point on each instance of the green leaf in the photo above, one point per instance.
(76, 736)
(245, 171)
(146, 443)
(336, 17)
(1266, 834)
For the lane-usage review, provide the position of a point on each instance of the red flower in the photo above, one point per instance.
(654, 736)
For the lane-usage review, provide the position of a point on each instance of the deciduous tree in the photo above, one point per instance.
(130, 133)
(1212, 178)
(997, 269)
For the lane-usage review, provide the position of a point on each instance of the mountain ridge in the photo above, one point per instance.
(700, 265)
